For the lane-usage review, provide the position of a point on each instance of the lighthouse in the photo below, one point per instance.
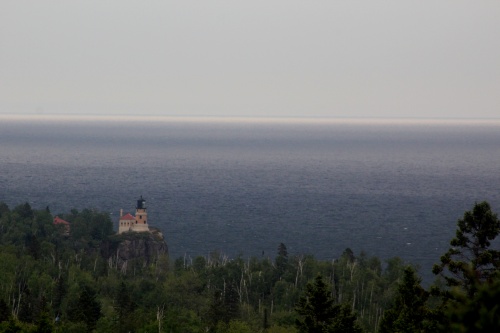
(141, 217)
(139, 223)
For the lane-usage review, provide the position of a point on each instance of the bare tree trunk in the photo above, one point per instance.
(300, 267)
(239, 288)
(16, 308)
(124, 268)
(351, 268)
(332, 279)
(371, 300)
(159, 316)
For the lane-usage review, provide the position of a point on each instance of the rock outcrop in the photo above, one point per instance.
(146, 247)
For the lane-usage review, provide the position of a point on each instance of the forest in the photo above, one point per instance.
(53, 280)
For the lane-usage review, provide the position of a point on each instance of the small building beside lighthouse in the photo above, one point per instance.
(137, 223)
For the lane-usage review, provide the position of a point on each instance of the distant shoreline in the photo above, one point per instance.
(263, 120)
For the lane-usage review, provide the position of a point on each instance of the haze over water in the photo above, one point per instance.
(389, 188)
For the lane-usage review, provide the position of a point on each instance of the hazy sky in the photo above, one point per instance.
(251, 58)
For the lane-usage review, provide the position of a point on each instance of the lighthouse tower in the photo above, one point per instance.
(141, 216)
(137, 223)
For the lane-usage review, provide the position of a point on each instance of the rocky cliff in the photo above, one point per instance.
(146, 247)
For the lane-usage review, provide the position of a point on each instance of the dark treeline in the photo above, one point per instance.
(55, 281)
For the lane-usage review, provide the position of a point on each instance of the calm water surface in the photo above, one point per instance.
(244, 187)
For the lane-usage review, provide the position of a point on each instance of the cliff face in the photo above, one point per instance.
(145, 246)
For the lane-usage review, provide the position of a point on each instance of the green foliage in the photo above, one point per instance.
(124, 308)
(4, 311)
(281, 329)
(470, 258)
(89, 227)
(345, 321)
(281, 261)
(44, 323)
(409, 313)
(320, 314)
(60, 291)
(86, 308)
(316, 308)
(471, 271)
(234, 326)
(72, 327)
(11, 326)
(24, 211)
(4, 209)
(478, 314)
(225, 306)
(79, 280)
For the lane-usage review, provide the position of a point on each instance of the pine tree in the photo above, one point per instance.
(12, 327)
(123, 307)
(25, 211)
(319, 313)
(409, 312)
(4, 209)
(265, 323)
(480, 314)
(33, 246)
(4, 311)
(344, 321)
(470, 259)
(60, 292)
(225, 305)
(44, 323)
(26, 306)
(281, 261)
(87, 309)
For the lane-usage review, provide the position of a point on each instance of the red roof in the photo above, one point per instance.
(128, 216)
(58, 220)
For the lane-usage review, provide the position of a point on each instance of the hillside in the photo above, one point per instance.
(88, 279)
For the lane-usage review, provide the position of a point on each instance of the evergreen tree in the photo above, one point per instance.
(470, 259)
(33, 246)
(4, 209)
(344, 321)
(12, 327)
(60, 291)
(87, 309)
(409, 311)
(225, 306)
(231, 302)
(480, 314)
(24, 211)
(236, 326)
(4, 311)
(26, 306)
(265, 323)
(123, 307)
(281, 261)
(216, 312)
(349, 254)
(44, 323)
(319, 314)
(316, 308)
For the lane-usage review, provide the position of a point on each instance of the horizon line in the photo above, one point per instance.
(249, 119)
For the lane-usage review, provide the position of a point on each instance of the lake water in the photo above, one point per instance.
(388, 188)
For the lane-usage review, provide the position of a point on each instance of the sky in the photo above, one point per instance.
(282, 58)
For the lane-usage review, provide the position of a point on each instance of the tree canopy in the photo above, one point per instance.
(470, 260)
(409, 312)
(69, 282)
(319, 313)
